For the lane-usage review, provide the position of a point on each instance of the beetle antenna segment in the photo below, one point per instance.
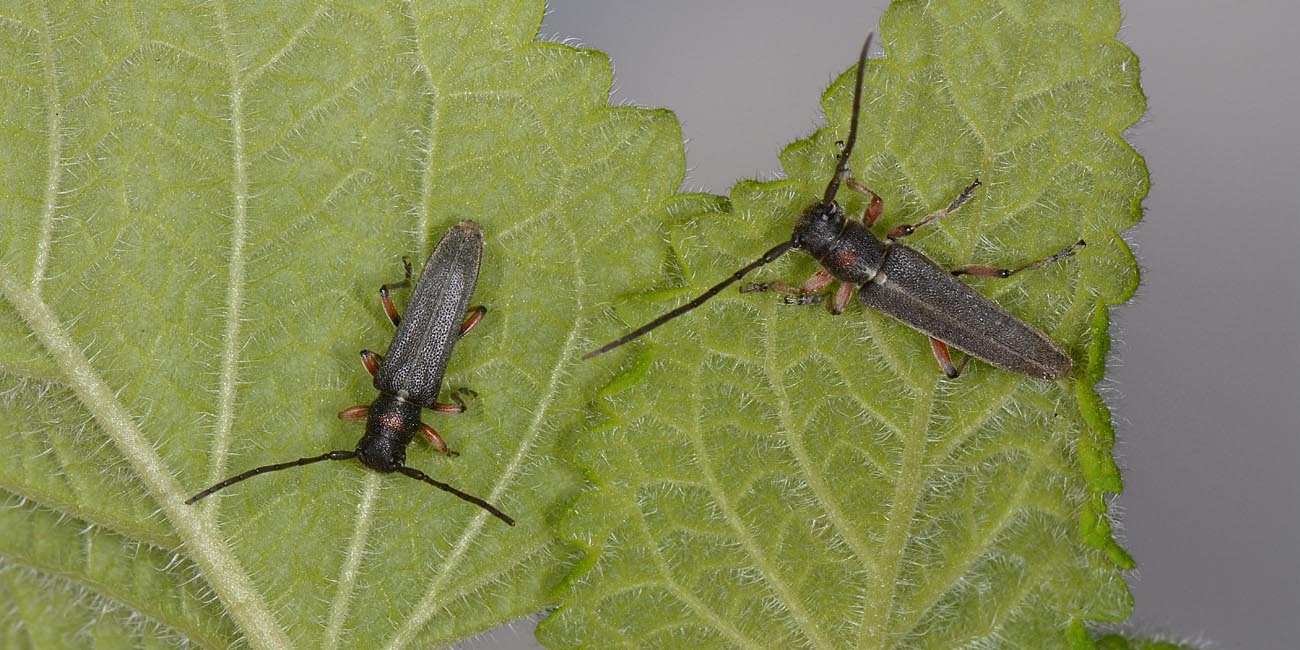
(333, 455)
(842, 167)
(767, 258)
(421, 476)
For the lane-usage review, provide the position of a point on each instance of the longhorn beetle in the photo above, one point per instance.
(895, 279)
(409, 377)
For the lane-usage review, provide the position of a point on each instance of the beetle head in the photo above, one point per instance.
(819, 227)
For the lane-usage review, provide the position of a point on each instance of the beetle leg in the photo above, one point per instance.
(457, 404)
(941, 355)
(819, 280)
(354, 413)
(431, 434)
(475, 315)
(371, 361)
(981, 271)
(778, 286)
(388, 300)
(841, 300)
(875, 208)
(808, 294)
(902, 230)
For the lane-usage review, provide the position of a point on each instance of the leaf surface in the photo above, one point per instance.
(1113, 641)
(199, 202)
(770, 476)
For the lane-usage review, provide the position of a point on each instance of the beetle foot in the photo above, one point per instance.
(804, 299)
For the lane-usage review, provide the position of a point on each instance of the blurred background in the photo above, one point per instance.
(1205, 382)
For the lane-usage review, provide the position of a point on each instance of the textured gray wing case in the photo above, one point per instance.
(928, 298)
(414, 364)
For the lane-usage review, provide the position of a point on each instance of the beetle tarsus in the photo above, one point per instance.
(983, 271)
(903, 230)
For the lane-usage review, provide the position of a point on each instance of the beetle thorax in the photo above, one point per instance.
(846, 249)
(391, 423)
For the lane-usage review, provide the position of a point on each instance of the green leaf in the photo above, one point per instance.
(198, 203)
(1118, 642)
(772, 476)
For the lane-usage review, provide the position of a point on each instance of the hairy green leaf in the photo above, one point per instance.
(198, 203)
(1119, 642)
(772, 476)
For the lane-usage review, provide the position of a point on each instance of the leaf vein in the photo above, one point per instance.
(356, 552)
(770, 573)
(53, 150)
(955, 567)
(146, 607)
(881, 595)
(718, 621)
(229, 381)
(201, 536)
(812, 474)
(432, 133)
(252, 75)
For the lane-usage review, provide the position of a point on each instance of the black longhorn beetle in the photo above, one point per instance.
(897, 280)
(409, 377)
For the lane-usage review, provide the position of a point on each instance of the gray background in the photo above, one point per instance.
(1206, 382)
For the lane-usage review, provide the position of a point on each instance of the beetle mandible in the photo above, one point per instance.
(896, 279)
(409, 376)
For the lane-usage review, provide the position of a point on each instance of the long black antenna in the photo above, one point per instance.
(333, 455)
(841, 172)
(767, 258)
(345, 455)
(421, 476)
(842, 167)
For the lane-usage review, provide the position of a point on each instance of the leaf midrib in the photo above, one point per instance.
(882, 594)
(840, 521)
(110, 591)
(198, 530)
